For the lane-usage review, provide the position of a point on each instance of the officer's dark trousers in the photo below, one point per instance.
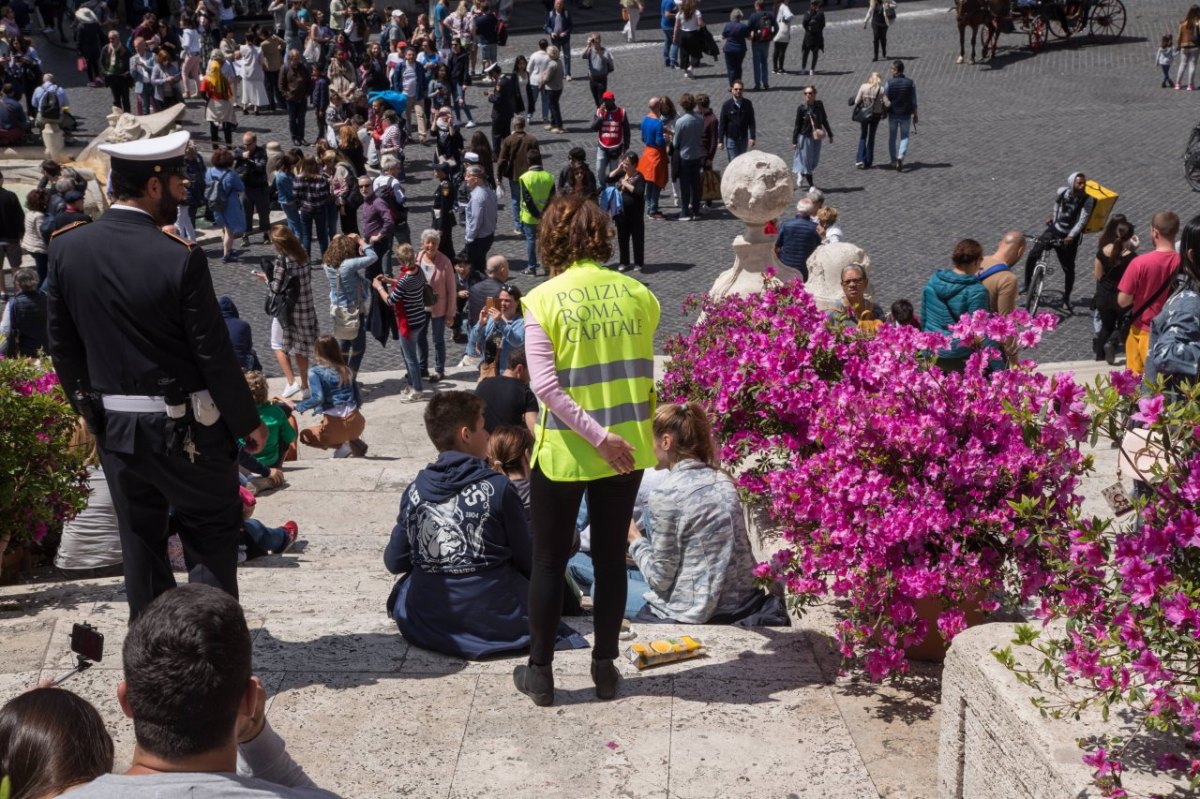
(146, 482)
(554, 506)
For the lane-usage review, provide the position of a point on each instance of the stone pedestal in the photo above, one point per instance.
(756, 188)
(996, 745)
(825, 267)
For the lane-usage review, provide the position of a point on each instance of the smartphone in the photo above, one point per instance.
(87, 642)
(490, 305)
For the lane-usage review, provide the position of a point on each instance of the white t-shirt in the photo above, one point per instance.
(539, 62)
(692, 23)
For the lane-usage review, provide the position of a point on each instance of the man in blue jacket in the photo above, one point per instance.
(901, 93)
(558, 25)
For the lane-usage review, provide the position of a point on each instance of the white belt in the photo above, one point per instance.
(130, 403)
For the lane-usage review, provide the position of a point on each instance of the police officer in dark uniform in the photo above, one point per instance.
(142, 351)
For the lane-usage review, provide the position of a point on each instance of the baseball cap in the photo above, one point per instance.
(608, 96)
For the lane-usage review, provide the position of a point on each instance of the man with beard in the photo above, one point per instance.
(142, 352)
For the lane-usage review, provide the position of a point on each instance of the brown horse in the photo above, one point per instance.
(976, 14)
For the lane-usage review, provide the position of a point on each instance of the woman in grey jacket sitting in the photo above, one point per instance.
(696, 555)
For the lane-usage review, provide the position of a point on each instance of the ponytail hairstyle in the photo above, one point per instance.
(508, 447)
(689, 427)
(329, 352)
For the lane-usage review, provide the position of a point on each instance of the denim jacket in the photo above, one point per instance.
(512, 335)
(283, 187)
(328, 392)
(354, 284)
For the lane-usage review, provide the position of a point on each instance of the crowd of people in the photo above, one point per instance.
(558, 477)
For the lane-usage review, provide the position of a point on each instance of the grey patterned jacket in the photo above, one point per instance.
(696, 557)
(1175, 336)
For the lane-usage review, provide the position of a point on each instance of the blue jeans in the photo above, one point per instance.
(271, 539)
(438, 327)
(565, 49)
(460, 105)
(584, 574)
(530, 244)
(866, 142)
(354, 349)
(412, 359)
(670, 49)
(903, 125)
(514, 191)
(733, 65)
(758, 56)
(653, 192)
(544, 100)
(292, 212)
(735, 147)
(307, 220)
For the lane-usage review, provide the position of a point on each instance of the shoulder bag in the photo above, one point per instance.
(346, 321)
(282, 292)
(1127, 321)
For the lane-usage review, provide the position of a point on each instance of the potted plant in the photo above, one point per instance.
(895, 485)
(1130, 592)
(42, 481)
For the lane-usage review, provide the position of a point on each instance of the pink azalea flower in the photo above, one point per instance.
(1149, 409)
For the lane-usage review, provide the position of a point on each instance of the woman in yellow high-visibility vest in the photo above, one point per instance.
(589, 341)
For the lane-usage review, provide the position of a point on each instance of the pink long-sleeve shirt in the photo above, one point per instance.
(543, 379)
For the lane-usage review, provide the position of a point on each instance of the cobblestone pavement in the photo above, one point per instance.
(995, 142)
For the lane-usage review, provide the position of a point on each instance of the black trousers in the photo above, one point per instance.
(632, 227)
(258, 199)
(274, 98)
(119, 86)
(805, 52)
(296, 119)
(778, 54)
(1066, 257)
(880, 41)
(554, 506)
(477, 253)
(598, 85)
(147, 484)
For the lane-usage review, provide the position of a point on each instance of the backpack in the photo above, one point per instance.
(50, 107)
(766, 29)
(214, 194)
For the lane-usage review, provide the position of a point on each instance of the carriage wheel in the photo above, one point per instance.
(1108, 19)
(1191, 169)
(1037, 34)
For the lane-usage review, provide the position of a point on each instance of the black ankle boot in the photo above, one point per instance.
(606, 677)
(536, 682)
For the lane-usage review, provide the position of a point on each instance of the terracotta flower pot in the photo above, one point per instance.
(933, 648)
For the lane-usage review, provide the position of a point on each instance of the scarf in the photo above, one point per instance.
(218, 84)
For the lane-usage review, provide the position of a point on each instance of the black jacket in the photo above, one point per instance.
(810, 118)
(240, 335)
(737, 122)
(252, 170)
(12, 217)
(143, 311)
(28, 331)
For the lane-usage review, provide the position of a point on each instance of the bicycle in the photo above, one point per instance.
(1041, 270)
(1191, 160)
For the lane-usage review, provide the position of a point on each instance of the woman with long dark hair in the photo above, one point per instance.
(809, 131)
(1116, 248)
(50, 742)
(593, 434)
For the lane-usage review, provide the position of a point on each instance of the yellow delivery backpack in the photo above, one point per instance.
(1105, 200)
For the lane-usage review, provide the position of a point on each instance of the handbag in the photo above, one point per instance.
(1126, 323)
(710, 185)
(281, 295)
(346, 321)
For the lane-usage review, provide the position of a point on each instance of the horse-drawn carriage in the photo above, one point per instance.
(1040, 20)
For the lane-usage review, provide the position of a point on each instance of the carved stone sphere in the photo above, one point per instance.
(757, 187)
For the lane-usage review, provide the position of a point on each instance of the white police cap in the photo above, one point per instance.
(148, 157)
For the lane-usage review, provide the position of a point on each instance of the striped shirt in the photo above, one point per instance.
(409, 290)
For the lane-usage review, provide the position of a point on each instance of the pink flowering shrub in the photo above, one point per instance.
(1131, 593)
(42, 482)
(891, 481)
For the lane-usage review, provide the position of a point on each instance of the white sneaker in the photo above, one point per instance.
(470, 124)
(467, 362)
(413, 396)
(343, 451)
(292, 390)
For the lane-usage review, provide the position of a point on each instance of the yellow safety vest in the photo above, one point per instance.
(602, 325)
(539, 185)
